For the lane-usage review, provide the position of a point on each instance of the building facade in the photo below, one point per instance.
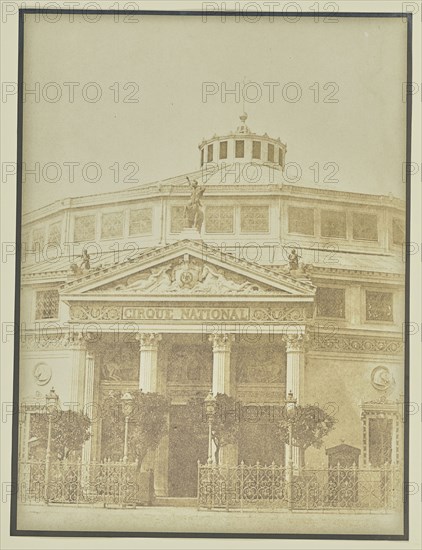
(274, 287)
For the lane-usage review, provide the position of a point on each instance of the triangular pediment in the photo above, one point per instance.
(184, 269)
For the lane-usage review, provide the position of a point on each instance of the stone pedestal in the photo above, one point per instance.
(190, 233)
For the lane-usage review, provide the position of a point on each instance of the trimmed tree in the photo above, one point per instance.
(69, 431)
(225, 426)
(147, 423)
(310, 426)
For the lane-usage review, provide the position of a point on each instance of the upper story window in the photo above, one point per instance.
(55, 233)
(202, 157)
(210, 150)
(223, 149)
(112, 225)
(47, 304)
(398, 231)
(256, 149)
(301, 220)
(270, 152)
(38, 238)
(379, 306)
(219, 219)
(254, 219)
(333, 223)
(140, 221)
(84, 229)
(177, 221)
(280, 157)
(330, 302)
(240, 148)
(365, 226)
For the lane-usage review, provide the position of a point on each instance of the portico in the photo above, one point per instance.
(199, 329)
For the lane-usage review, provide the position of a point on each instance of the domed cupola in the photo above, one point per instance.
(242, 151)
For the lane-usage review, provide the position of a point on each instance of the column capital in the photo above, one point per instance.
(221, 342)
(148, 340)
(77, 341)
(295, 342)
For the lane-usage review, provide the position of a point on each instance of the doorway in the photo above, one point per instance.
(184, 452)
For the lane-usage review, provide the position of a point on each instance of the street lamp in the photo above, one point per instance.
(127, 407)
(210, 409)
(291, 404)
(51, 402)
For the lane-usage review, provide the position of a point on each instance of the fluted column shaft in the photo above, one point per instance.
(148, 361)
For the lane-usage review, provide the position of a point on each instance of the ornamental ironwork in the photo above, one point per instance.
(84, 229)
(47, 304)
(254, 219)
(140, 221)
(76, 482)
(219, 219)
(261, 487)
(379, 306)
(330, 302)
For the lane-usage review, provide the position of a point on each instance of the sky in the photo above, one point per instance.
(337, 99)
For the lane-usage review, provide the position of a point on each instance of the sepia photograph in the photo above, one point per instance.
(212, 274)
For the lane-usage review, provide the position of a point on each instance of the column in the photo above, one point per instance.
(221, 379)
(295, 377)
(148, 373)
(88, 403)
(222, 383)
(77, 346)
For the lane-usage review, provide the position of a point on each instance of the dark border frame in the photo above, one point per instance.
(406, 17)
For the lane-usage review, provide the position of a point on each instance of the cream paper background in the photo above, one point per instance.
(9, 74)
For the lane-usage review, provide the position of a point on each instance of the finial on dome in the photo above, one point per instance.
(243, 129)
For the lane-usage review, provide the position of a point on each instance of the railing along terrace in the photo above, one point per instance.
(336, 488)
(108, 482)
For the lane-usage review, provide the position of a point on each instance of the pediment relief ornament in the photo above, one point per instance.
(187, 274)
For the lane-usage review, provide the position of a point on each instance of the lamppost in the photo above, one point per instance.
(51, 402)
(210, 409)
(291, 404)
(127, 407)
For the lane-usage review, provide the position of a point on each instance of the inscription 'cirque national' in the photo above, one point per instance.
(186, 313)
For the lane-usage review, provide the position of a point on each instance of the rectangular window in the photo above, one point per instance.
(280, 157)
(398, 231)
(38, 238)
(254, 219)
(47, 304)
(84, 229)
(202, 157)
(177, 222)
(379, 306)
(333, 223)
(223, 149)
(256, 149)
(330, 302)
(380, 439)
(55, 233)
(240, 148)
(210, 153)
(301, 220)
(140, 221)
(270, 152)
(112, 225)
(365, 226)
(219, 219)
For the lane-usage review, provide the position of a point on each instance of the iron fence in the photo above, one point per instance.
(337, 488)
(75, 482)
